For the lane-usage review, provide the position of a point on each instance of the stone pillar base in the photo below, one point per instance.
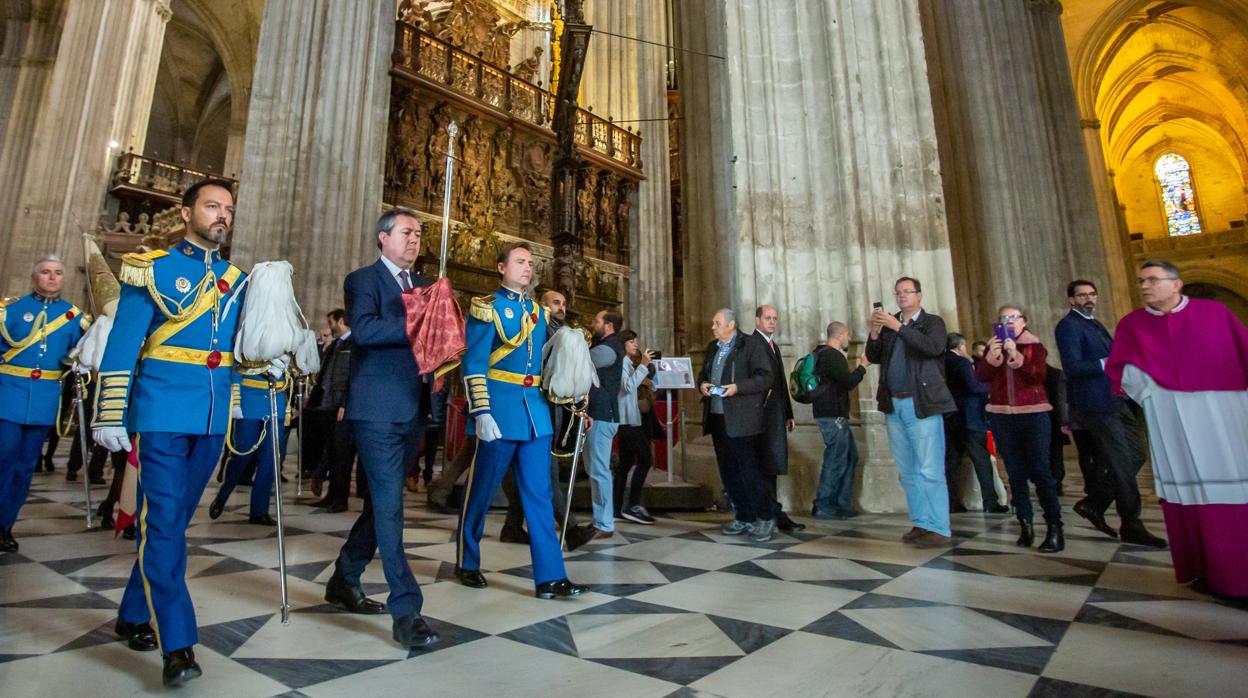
(879, 490)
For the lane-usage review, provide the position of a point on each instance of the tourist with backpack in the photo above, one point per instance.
(823, 379)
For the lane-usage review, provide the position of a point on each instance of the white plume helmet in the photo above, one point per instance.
(307, 353)
(567, 371)
(271, 324)
(90, 349)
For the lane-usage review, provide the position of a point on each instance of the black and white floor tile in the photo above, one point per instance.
(842, 608)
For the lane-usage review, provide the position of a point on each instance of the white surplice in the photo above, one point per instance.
(1198, 440)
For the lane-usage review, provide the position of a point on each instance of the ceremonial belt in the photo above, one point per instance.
(499, 374)
(197, 357)
(22, 372)
(263, 384)
(43, 332)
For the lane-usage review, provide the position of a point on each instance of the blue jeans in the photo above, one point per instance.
(19, 453)
(919, 448)
(1024, 441)
(840, 461)
(598, 443)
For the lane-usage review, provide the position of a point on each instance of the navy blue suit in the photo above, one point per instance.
(383, 406)
(1083, 343)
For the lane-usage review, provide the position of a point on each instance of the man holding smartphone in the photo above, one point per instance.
(910, 347)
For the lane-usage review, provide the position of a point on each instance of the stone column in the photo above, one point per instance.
(99, 92)
(627, 80)
(1020, 196)
(812, 181)
(1114, 238)
(316, 133)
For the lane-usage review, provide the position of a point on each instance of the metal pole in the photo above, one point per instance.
(300, 385)
(684, 439)
(671, 467)
(452, 131)
(576, 457)
(275, 425)
(83, 444)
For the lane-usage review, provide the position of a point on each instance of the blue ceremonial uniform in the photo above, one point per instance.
(166, 376)
(253, 436)
(503, 372)
(36, 333)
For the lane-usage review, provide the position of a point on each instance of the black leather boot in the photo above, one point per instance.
(1054, 541)
(1027, 534)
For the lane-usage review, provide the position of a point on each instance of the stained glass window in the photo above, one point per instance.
(1178, 197)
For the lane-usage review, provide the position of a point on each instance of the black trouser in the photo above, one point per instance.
(1093, 472)
(955, 448)
(95, 468)
(635, 454)
(440, 490)
(1024, 441)
(1118, 448)
(738, 460)
(316, 441)
(433, 439)
(558, 500)
(119, 475)
(341, 456)
(977, 449)
(1057, 459)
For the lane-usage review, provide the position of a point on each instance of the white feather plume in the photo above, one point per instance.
(307, 353)
(271, 324)
(90, 349)
(568, 371)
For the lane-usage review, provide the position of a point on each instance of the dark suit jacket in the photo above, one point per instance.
(925, 340)
(385, 381)
(1082, 343)
(749, 368)
(777, 411)
(330, 391)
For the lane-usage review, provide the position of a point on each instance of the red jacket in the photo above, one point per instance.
(1017, 389)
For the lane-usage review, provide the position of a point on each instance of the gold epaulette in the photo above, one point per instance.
(136, 267)
(482, 308)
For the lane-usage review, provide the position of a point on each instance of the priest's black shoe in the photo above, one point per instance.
(413, 632)
(340, 594)
(1054, 541)
(784, 523)
(98, 480)
(8, 544)
(559, 587)
(180, 667)
(262, 520)
(107, 522)
(578, 536)
(139, 636)
(513, 534)
(1026, 535)
(71, 476)
(215, 509)
(1133, 532)
(128, 532)
(471, 578)
(1097, 519)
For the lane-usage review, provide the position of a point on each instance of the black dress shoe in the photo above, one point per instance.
(337, 507)
(513, 534)
(139, 636)
(128, 532)
(1133, 532)
(338, 593)
(413, 632)
(784, 523)
(262, 520)
(957, 509)
(1026, 534)
(214, 509)
(180, 667)
(1097, 519)
(1054, 541)
(8, 544)
(97, 480)
(577, 536)
(559, 587)
(997, 509)
(107, 522)
(71, 476)
(471, 578)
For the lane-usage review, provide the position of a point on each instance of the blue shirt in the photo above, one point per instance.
(717, 372)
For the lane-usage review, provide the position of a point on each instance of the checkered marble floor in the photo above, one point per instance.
(841, 608)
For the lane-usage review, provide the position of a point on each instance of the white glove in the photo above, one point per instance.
(487, 428)
(113, 438)
(277, 367)
(236, 412)
(81, 368)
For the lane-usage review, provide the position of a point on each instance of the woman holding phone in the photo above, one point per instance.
(1018, 412)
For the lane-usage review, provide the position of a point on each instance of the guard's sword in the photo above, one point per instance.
(83, 444)
(277, 491)
(576, 458)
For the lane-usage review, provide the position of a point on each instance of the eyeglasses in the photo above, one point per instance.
(1011, 318)
(1154, 280)
(906, 292)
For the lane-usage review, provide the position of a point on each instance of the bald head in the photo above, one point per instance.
(557, 303)
(838, 335)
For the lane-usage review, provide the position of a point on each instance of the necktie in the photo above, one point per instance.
(774, 350)
(405, 281)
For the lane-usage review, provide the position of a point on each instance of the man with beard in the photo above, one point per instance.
(165, 377)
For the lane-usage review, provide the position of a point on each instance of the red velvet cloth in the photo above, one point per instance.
(1208, 541)
(435, 327)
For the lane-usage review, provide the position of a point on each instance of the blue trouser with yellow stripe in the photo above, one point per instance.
(246, 434)
(20, 445)
(173, 471)
(532, 462)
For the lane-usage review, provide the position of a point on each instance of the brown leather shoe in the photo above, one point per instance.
(599, 533)
(931, 539)
(909, 536)
(413, 485)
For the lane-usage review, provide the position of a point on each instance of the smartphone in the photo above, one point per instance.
(998, 331)
(877, 305)
(1009, 332)
(717, 390)
(656, 354)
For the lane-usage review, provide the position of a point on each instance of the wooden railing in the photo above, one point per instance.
(162, 180)
(423, 56)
